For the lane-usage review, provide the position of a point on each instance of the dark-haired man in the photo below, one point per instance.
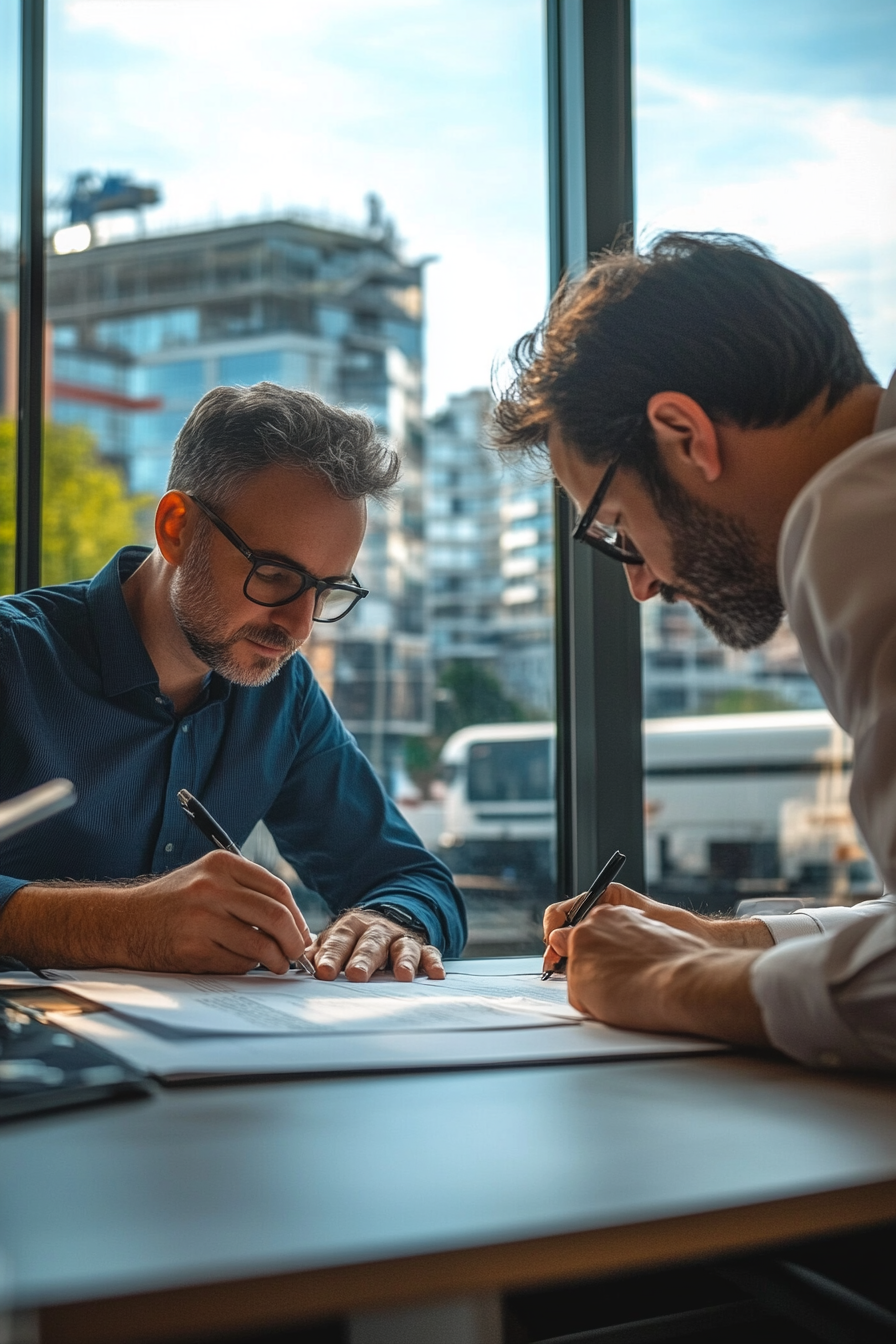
(176, 668)
(712, 419)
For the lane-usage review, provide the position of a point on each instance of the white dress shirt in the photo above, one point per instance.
(827, 990)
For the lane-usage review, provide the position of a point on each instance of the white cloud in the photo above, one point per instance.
(821, 194)
(236, 109)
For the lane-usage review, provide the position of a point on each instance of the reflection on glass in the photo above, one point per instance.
(778, 122)
(258, 247)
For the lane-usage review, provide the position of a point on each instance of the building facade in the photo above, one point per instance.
(489, 544)
(143, 328)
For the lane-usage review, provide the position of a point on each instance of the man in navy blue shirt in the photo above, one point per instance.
(175, 668)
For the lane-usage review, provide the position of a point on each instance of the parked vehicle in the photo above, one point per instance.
(735, 805)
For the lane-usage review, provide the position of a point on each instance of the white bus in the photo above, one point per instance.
(734, 804)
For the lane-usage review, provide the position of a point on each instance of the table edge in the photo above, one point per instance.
(269, 1301)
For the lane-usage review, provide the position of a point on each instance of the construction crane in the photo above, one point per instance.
(90, 195)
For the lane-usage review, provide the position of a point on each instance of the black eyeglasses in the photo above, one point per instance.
(602, 538)
(275, 583)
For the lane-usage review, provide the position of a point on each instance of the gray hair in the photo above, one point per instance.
(234, 432)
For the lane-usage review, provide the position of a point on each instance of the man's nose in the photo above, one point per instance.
(297, 618)
(643, 583)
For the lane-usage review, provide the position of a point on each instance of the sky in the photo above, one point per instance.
(236, 109)
(775, 118)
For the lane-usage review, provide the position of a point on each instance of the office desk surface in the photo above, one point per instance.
(261, 1203)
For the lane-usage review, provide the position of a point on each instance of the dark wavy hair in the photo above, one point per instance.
(707, 314)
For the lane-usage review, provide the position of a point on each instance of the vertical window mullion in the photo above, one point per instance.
(599, 756)
(31, 301)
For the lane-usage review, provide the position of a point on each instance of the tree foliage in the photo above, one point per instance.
(468, 692)
(87, 510)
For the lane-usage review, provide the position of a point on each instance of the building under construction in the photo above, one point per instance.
(142, 328)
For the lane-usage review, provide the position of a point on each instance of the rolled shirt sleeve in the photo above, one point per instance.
(830, 1001)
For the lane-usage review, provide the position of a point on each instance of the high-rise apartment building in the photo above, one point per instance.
(143, 328)
(489, 543)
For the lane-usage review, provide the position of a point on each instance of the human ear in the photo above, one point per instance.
(171, 526)
(685, 435)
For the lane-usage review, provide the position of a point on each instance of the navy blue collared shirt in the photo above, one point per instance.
(80, 698)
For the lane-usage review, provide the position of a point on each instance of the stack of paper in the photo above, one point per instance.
(186, 1027)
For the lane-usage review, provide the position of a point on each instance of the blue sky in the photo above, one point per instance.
(775, 118)
(437, 105)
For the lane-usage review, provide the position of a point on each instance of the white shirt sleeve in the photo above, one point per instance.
(830, 1001)
(838, 577)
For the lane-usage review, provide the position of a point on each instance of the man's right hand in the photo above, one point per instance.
(713, 932)
(220, 914)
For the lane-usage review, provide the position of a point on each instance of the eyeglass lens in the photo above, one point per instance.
(272, 585)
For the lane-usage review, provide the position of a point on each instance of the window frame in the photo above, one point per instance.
(598, 633)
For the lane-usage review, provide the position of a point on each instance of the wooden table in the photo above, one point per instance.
(220, 1208)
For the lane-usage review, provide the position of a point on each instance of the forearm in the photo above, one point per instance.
(69, 925)
(709, 994)
(738, 933)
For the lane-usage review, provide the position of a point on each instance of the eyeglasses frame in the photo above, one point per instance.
(308, 580)
(580, 531)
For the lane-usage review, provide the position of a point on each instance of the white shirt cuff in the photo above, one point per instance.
(784, 927)
(789, 983)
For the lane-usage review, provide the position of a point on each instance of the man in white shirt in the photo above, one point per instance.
(712, 419)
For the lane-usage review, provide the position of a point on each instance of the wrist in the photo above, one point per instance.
(742, 933)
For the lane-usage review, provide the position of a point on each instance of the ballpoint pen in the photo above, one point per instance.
(588, 901)
(203, 820)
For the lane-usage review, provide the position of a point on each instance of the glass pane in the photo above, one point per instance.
(778, 122)
(350, 198)
(10, 131)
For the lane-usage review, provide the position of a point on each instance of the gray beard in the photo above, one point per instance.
(733, 591)
(204, 627)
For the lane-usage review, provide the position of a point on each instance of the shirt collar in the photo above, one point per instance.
(886, 411)
(124, 663)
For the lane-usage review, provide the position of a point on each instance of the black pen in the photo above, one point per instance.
(203, 820)
(588, 901)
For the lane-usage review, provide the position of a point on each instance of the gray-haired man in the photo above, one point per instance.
(174, 668)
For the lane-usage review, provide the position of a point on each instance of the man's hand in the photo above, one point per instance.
(713, 932)
(221, 913)
(630, 970)
(363, 941)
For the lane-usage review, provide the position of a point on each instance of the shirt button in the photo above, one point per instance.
(160, 699)
(168, 847)
(185, 727)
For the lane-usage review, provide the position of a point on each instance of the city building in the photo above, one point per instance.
(687, 672)
(489, 547)
(142, 328)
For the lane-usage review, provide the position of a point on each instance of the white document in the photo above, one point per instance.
(191, 1059)
(260, 1004)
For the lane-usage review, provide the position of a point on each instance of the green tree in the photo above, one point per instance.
(747, 700)
(467, 693)
(87, 511)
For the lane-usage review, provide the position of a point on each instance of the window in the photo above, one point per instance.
(387, 270)
(778, 122)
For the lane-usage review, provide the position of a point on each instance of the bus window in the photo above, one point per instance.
(503, 772)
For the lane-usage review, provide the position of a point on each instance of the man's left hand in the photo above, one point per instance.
(363, 941)
(629, 970)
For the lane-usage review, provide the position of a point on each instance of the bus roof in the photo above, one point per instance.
(456, 747)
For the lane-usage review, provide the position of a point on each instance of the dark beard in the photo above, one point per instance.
(203, 626)
(733, 591)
